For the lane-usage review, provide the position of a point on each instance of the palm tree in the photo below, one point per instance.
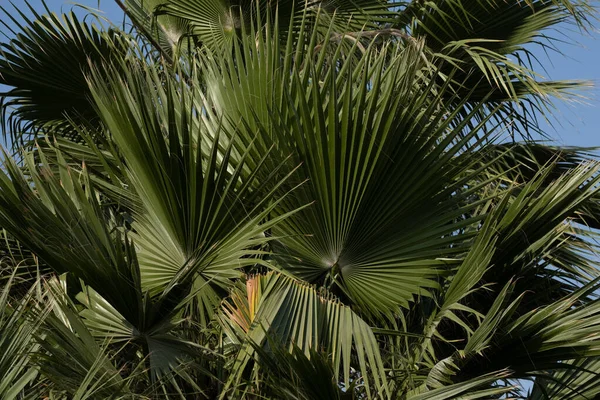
(311, 200)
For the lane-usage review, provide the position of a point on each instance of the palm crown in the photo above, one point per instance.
(312, 200)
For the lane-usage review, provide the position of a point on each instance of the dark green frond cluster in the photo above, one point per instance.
(294, 200)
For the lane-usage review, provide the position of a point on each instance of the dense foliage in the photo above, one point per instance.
(248, 199)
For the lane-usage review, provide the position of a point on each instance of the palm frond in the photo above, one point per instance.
(299, 316)
(17, 341)
(201, 214)
(490, 42)
(45, 67)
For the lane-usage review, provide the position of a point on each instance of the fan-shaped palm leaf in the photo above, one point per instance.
(46, 65)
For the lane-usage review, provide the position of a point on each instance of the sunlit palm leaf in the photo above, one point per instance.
(296, 314)
(201, 214)
(214, 23)
(480, 35)
(582, 381)
(69, 356)
(17, 334)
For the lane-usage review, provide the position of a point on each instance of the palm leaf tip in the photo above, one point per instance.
(304, 201)
(46, 90)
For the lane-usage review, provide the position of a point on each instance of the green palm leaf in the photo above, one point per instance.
(215, 23)
(201, 214)
(235, 193)
(490, 42)
(294, 313)
(45, 68)
(17, 334)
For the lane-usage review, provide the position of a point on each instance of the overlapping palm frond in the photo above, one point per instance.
(579, 382)
(568, 333)
(286, 374)
(224, 219)
(483, 387)
(165, 37)
(322, 192)
(69, 358)
(201, 214)
(44, 67)
(307, 319)
(214, 23)
(487, 314)
(350, 128)
(17, 342)
(491, 43)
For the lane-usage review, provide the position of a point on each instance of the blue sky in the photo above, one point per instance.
(579, 124)
(576, 124)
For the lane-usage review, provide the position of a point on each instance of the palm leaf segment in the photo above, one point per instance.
(297, 315)
(46, 64)
(133, 292)
(214, 23)
(500, 329)
(361, 135)
(409, 205)
(491, 41)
